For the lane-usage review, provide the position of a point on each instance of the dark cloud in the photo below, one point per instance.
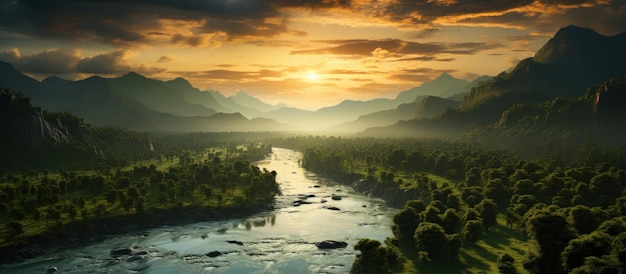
(425, 12)
(396, 46)
(53, 61)
(106, 63)
(68, 62)
(131, 22)
(423, 58)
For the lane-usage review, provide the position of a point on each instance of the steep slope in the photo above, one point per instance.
(21, 123)
(574, 59)
(432, 106)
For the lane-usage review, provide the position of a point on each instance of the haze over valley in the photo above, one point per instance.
(343, 136)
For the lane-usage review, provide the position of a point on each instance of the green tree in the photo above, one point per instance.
(374, 258)
(551, 232)
(405, 222)
(431, 238)
(473, 230)
(488, 212)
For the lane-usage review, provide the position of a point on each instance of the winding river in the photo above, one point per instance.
(278, 241)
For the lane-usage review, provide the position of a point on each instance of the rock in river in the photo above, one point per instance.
(330, 244)
(333, 208)
(213, 254)
(235, 242)
(122, 251)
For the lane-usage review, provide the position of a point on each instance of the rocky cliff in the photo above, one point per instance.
(23, 124)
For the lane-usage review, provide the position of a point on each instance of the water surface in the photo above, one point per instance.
(278, 241)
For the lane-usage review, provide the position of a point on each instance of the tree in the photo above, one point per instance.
(431, 238)
(451, 221)
(506, 264)
(472, 230)
(405, 222)
(488, 212)
(374, 258)
(595, 244)
(583, 219)
(551, 232)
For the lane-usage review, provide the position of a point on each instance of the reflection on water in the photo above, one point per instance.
(280, 241)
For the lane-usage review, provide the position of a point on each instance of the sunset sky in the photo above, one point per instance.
(306, 53)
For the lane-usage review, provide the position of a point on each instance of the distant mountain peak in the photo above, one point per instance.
(133, 75)
(180, 82)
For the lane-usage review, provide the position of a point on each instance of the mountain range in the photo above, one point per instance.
(136, 102)
(570, 63)
(574, 60)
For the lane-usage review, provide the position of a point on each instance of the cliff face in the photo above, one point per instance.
(24, 124)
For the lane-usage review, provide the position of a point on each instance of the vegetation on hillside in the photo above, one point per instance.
(482, 210)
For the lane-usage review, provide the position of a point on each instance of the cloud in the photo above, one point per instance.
(143, 22)
(67, 62)
(46, 62)
(106, 63)
(418, 75)
(395, 47)
(165, 59)
(201, 40)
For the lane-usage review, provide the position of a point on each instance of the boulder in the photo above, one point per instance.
(330, 244)
(122, 251)
(214, 254)
(52, 270)
(235, 242)
(333, 208)
(317, 186)
(336, 197)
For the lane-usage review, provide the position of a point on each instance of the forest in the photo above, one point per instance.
(195, 176)
(475, 209)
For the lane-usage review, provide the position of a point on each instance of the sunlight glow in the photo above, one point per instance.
(312, 76)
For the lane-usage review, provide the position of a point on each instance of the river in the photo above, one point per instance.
(278, 241)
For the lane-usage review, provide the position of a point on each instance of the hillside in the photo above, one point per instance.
(566, 66)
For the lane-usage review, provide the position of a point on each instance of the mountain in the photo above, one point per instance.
(243, 99)
(443, 86)
(423, 106)
(157, 96)
(432, 106)
(23, 124)
(573, 60)
(195, 96)
(132, 102)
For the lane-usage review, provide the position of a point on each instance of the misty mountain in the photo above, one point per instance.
(422, 107)
(573, 60)
(130, 102)
(243, 99)
(156, 95)
(427, 106)
(351, 115)
(192, 94)
(443, 86)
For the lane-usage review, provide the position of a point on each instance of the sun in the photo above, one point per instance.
(312, 76)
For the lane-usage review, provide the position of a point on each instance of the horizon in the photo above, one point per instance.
(307, 55)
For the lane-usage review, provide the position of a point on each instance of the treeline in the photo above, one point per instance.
(571, 210)
(215, 179)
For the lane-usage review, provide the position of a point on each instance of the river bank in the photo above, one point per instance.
(282, 238)
(83, 232)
